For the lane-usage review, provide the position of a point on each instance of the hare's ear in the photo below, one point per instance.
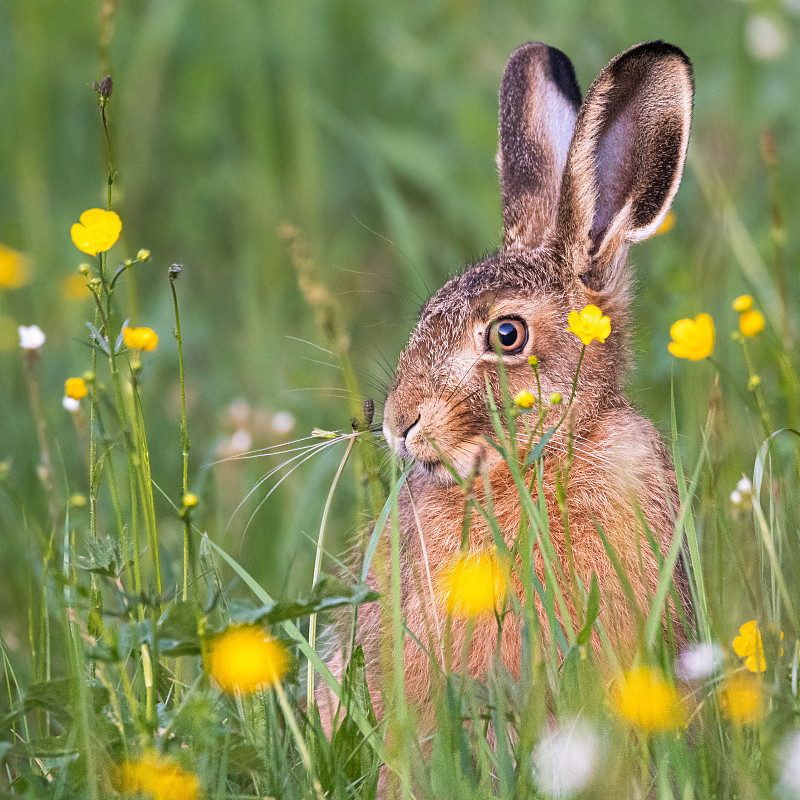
(626, 158)
(539, 101)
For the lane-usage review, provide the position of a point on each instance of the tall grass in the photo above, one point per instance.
(124, 551)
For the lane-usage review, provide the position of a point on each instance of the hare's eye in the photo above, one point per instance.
(507, 335)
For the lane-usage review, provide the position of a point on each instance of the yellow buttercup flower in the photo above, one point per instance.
(743, 699)
(156, 778)
(97, 231)
(524, 399)
(744, 302)
(13, 268)
(245, 658)
(75, 388)
(472, 585)
(140, 338)
(751, 322)
(692, 338)
(668, 224)
(644, 698)
(748, 645)
(589, 324)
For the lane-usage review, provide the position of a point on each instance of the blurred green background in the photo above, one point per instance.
(371, 126)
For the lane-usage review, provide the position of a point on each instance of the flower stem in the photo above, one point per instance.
(312, 622)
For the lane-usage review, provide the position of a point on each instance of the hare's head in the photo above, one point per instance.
(580, 182)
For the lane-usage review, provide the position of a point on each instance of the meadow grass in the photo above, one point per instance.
(126, 555)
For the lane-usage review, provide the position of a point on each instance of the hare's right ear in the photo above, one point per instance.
(539, 101)
(625, 160)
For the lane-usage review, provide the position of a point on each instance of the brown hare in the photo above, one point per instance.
(580, 181)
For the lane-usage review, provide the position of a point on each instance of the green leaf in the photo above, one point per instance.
(328, 593)
(60, 694)
(360, 763)
(537, 450)
(592, 612)
(103, 557)
(98, 338)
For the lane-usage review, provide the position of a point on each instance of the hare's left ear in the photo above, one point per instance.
(626, 158)
(539, 101)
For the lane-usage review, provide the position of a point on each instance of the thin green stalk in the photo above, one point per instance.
(187, 520)
(145, 479)
(312, 622)
(288, 715)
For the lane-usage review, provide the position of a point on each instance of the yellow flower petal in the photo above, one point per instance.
(245, 658)
(744, 302)
(156, 778)
(589, 324)
(75, 388)
(692, 338)
(97, 231)
(748, 645)
(751, 322)
(472, 585)
(644, 698)
(140, 338)
(524, 399)
(14, 271)
(743, 699)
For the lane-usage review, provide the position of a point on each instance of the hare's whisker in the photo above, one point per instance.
(272, 450)
(304, 455)
(463, 377)
(311, 344)
(277, 484)
(405, 255)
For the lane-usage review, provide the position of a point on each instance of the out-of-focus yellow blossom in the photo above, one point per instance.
(75, 388)
(748, 645)
(743, 699)
(472, 585)
(751, 322)
(524, 399)
(74, 287)
(14, 271)
(246, 658)
(644, 698)
(156, 778)
(692, 338)
(668, 224)
(190, 500)
(588, 324)
(744, 302)
(97, 231)
(140, 338)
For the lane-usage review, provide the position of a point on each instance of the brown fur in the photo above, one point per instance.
(572, 203)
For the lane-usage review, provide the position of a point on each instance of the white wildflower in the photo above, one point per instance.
(71, 404)
(31, 337)
(767, 39)
(283, 422)
(698, 661)
(744, 485)
(789, 781)
(565, 759)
